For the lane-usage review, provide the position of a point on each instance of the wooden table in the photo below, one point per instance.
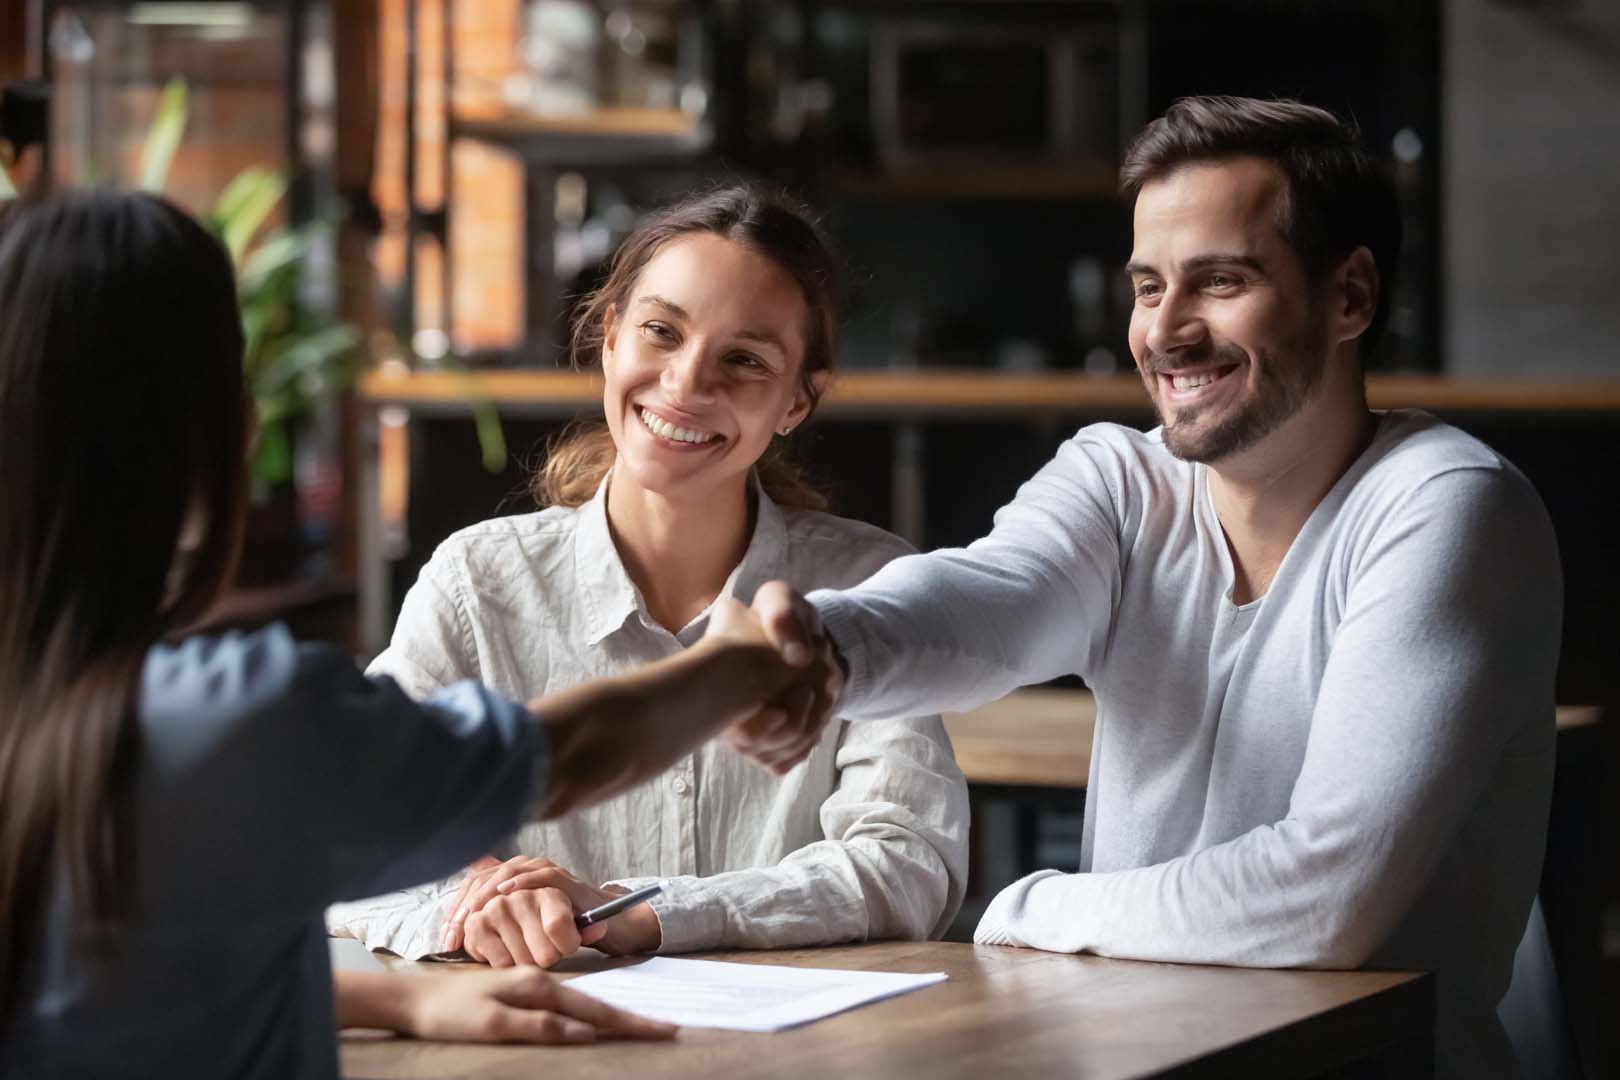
(1004, 1011)
(1042, 737)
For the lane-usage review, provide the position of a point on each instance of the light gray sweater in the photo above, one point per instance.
(1352, 771)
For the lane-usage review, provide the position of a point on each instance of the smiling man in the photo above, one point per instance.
(1322, 639)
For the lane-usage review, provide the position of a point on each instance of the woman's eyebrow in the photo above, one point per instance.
(764, 337)
(667, 305)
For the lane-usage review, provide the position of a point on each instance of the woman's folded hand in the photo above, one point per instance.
(521, 911)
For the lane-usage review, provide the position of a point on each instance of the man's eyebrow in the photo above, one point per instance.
(1199, 262)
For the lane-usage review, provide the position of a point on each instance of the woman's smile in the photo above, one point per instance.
(673, 435)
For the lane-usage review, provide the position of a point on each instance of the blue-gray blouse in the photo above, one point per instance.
(273, 780)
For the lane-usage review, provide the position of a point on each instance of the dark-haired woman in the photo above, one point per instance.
(176, 817)
(715, 332)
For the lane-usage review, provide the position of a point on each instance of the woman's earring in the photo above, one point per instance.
(788, 430)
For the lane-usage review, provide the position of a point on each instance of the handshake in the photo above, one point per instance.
(764, 679)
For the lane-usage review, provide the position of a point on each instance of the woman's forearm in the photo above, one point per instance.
(372, 999)
(609, 735)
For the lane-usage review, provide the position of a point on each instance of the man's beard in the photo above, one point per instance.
(1285, 383)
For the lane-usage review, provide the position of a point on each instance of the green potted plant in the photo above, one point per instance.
(295, 356)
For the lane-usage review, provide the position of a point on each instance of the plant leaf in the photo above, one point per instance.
(491, 436)
(163, 137)
(278, 251)
(242, 207)
(272, 454)
(266, 312)
(324, 352)
(486, 418)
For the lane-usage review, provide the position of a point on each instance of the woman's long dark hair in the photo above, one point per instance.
(122, 412)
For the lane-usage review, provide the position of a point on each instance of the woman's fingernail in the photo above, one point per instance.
(506, 886)
(461, 914)
(446, 942)
(796, 653)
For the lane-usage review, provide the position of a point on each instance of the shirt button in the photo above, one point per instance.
(680, 785)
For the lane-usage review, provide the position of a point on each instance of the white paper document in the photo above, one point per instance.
(742, 997)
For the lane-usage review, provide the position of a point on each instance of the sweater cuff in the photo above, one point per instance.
(840, 618)
(1032, 912)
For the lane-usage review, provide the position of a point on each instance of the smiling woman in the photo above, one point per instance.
(715, 332)
(770, 264)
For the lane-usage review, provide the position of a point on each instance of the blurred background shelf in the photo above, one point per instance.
(600, 133)
(973, 394)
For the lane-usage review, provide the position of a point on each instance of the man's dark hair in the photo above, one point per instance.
(1339, 197)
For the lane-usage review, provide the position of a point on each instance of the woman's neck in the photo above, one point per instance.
(679, 552)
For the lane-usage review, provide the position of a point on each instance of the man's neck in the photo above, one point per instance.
(1264, 495)
(679, 552)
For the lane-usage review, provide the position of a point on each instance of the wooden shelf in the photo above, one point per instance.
(976, 394)
(604, 132)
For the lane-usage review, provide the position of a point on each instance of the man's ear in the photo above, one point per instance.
(1356, 291)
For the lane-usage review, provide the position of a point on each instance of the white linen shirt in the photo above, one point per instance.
(866, 839)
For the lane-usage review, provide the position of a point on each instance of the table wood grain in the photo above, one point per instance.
(1041, 737)
(1004, 1011)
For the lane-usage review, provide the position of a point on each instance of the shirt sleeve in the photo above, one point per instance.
(336, 785)
(469, 762)
(893, 864)
(955, 628)
(1442, 666)
(406, 922)
(432, 646)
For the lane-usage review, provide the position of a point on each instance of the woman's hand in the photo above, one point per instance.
(522, 912)
(526, 1006)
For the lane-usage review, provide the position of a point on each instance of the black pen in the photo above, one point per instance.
(616, 905)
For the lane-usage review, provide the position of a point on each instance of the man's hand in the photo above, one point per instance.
(783, 733)
(522, 911)
(526, 1006)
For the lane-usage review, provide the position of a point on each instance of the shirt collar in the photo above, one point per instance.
(766, 555)
(610, 597)
(608, 594)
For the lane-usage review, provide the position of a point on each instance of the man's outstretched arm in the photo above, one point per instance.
(959, 627)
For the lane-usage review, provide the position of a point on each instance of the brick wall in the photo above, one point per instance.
(486, 234)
